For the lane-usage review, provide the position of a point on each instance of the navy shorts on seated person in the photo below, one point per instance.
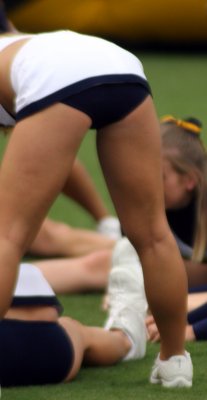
(33, 353)
(198, 319)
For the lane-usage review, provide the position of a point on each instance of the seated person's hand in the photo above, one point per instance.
(152, 330)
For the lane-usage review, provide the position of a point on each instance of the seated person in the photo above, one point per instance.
(37, 346)
(185, 189)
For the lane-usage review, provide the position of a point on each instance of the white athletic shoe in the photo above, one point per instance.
(127, 301)
(109, 226)
(177, 371)
(124, 254)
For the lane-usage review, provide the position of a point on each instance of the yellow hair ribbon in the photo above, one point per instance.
(190, 126)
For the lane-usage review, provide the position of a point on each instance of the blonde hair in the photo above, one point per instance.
(186, 152)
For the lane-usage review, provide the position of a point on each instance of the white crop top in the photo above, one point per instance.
(32, 289)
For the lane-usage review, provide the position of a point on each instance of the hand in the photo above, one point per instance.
(152, 329)
(189, 333)
(105, 302)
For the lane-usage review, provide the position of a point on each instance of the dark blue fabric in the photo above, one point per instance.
(198, 319)
(197, 289)
(106, 99)
(33, 353)
(200, 329)
(182, 222)
(198, 314)
(4, 26)
(40, 301)
(108, 103)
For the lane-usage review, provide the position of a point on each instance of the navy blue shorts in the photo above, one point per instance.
(198, 319)
(108, 103)
(105, 103)
(34, 353)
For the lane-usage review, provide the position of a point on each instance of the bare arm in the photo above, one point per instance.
(154, 335)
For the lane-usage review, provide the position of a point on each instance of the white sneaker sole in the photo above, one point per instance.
(177, 371)
(177, 382)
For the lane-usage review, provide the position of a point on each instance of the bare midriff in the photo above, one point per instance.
(33, 313)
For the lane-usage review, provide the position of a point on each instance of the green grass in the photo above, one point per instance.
(179, 85)
(125, 380)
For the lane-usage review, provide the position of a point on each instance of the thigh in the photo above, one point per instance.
(130, 154)
(35, 166)
(74, 330)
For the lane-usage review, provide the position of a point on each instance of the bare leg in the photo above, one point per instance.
(59, 239)
(77, 275)
(130, 154)
(41, 151)
(81, 188)
(94, 346)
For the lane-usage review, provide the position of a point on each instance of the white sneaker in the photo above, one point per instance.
(125, 254)
(177, 371)
(109, 226)
(127, 301)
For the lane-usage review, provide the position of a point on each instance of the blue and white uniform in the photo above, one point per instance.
(33, 352)
(53, 67)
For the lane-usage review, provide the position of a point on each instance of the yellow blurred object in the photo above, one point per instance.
(132, 20)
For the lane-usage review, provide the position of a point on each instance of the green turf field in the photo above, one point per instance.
(179, 85)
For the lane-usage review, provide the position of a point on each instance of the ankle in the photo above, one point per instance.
(165, 355)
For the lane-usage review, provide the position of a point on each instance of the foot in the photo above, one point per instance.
(127, 301)
(177, 371)
(109, 226)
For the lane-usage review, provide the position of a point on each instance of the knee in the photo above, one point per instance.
(13, 247)
(51, 229)
(98, 261)
(149, 236)
(69, 324)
